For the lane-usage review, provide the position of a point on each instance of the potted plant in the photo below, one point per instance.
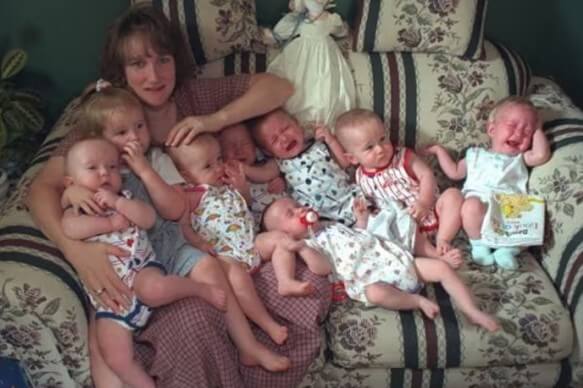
(20, 114)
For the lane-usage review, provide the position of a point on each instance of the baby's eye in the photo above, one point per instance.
(383, 139)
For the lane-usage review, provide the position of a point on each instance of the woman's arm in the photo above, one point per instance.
(265, 92)
(82, 226)
(89, 259)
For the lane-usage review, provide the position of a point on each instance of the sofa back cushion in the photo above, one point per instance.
(453, 27)
(212, 29)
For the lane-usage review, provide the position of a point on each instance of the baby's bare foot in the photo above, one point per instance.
(454, 257)
(428, 307)
(265, 358)
(443, 246)
(213, 295)
(277, 333)
(485, 320)
(295, 288)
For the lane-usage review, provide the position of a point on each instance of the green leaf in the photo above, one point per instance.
(12, 121)
(12, 63)
(569, 209)
(30, 116)
(3, 133)
(498, 341)
(28, 96)
(541, 301)
(52, 307)
(509, 326)
(410, 9)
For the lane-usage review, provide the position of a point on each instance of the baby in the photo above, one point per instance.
(387, 175)
(314, 177)
(517, 141)
(222, 223)
(94, 164)
(375, 271)
(237, 146)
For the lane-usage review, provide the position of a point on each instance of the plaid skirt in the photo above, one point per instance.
(186, 344)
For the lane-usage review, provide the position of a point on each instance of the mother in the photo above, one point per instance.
(185, 344)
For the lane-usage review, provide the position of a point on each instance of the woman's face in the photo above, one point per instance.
(149, 74)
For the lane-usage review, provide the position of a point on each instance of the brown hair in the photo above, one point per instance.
(511, 100)
(352, 118)
(165, 37)
(98, 105)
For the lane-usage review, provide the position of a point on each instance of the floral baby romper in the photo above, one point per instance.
(360, 259)
(223, 219)
(135, 241)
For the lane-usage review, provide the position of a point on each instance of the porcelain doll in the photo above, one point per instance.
(313, 62)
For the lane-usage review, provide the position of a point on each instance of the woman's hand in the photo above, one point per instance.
(190, 127)
(135, 158)
(80, 198)
(97, 273)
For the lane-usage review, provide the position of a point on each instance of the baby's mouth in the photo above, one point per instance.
(291, 145)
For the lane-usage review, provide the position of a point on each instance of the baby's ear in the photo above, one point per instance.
(67, 181)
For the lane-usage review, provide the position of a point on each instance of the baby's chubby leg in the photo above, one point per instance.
(281, 250)
(389, 297)
(102, 375)
(424, 248)
(117, 348)
(155, 289)
(473, 212)
(434, 271)
(252, 352)
(252, 305)
(448, 208)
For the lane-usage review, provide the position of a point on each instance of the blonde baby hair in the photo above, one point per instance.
(511, 100)
(350, 120)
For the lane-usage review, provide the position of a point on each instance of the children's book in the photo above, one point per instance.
(514, 220)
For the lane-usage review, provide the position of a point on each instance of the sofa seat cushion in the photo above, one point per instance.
(536, 328)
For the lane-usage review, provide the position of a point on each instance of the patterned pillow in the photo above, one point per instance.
(212, 28)
(453, 27)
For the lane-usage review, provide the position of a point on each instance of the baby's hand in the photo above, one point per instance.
(118, 222)
(276, 186)
(322, 133)
(418, 211)
(80, 198)
(106, 198)
(360, 208)
(134, 156)
(434, 149)
(291, 244)
(235, 175)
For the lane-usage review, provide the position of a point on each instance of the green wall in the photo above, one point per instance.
(64, 39)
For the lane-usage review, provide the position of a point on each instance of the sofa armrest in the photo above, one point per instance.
(560, 182)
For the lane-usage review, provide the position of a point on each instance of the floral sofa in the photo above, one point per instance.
(425, 95)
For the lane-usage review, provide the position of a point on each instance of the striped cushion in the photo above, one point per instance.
(429, 98)
(213, 29)
(536, 326)
(453, 27)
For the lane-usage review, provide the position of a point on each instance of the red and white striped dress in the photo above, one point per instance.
(396, 182)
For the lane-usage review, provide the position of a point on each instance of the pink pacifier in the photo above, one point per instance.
(309, 219)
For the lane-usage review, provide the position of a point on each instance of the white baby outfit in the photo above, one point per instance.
(491, 172)
(396, 182)
(360, 259)
(314, 179)
(323, 83)
(136, 242)
(223, 219)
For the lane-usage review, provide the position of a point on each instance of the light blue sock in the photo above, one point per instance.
(481, 254)
(506, 258)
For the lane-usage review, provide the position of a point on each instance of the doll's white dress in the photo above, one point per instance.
(313, 62)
